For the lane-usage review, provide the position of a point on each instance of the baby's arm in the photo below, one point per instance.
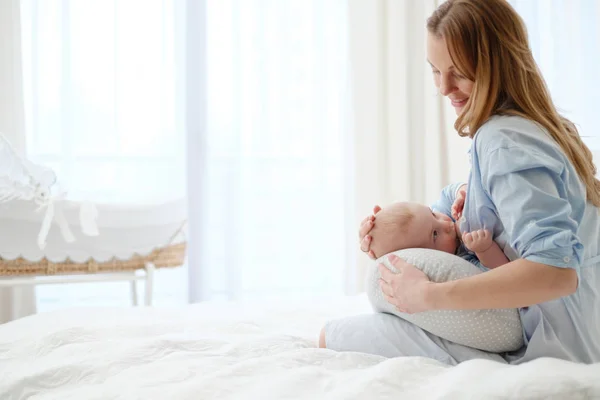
(488, 252)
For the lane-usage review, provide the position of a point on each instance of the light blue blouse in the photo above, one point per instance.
(525, 190)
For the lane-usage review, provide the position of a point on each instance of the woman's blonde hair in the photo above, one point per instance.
(487, 41)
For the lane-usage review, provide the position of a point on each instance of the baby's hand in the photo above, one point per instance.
(477, 241)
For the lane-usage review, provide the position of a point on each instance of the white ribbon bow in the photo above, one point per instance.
(54, 211)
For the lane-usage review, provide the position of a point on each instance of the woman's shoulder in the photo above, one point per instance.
(517, 143)
(511, 131)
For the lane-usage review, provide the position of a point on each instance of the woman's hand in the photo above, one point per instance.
(365, 227)
(459, 203)
(408, 289)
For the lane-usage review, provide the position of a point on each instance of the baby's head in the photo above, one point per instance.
(410, 225)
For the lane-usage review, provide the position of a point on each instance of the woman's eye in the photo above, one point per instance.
(436, 72)
(435, 235)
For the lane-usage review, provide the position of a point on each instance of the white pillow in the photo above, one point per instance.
(490, 330)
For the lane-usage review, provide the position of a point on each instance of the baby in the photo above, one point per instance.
(405, 225)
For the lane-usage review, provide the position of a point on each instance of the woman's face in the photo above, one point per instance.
(447, 79)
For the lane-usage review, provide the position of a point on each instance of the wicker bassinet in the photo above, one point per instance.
(170, 256)
(130, 237)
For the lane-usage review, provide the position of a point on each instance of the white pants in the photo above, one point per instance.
(389, 336)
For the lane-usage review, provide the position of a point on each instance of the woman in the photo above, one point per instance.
(532, 184)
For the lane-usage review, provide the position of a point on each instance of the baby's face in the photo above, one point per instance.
(425, 229)
(433, 230)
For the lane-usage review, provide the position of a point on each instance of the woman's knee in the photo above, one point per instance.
(322, 343)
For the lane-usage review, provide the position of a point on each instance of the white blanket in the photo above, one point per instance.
(251, 351)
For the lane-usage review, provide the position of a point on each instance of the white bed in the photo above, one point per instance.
(249, 351)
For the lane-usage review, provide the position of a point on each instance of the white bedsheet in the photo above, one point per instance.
(256, 351)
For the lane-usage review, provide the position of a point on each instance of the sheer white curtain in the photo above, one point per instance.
(17, 302)
(103, 108)
(405, 146)
(565, 39)
(104, 100)
(100, 80)
(275, 200)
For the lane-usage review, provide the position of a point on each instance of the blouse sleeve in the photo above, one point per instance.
(529, 192)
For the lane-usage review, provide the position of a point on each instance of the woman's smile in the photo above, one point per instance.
(459, 103)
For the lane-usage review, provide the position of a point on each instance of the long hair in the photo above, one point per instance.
(487, 41)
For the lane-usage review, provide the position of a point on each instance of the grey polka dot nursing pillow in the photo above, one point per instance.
(490, 330)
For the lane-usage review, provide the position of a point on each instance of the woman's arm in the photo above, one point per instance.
(536, 195)
(520, 283)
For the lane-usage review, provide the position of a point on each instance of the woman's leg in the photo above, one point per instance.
(390, 336)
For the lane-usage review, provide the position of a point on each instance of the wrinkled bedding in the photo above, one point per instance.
(245, 351)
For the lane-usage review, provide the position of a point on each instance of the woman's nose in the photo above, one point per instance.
(446, 86)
